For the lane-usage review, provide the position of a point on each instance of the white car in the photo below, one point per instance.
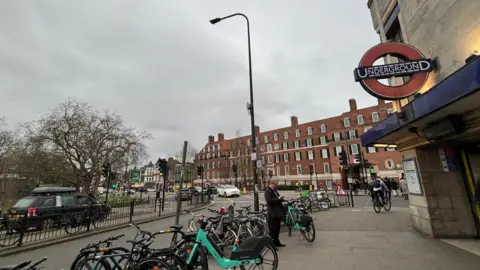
(228, 191)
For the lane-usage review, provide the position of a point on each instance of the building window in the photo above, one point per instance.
(257, 140)
(389, 164)
(276, 146)
(323, 140)
(299, 169)
(284, 145)
(277, 170)
(390, 149)
(365, 129)
(354, 149)
(323, 128)
(269, 147)
(287, 170)
(297, 133)
(346, 122)
(309, 142)
(270, 159)
(371, 150)
(375, 117)
(246, 152)
(360, 119)
(326, 168)
(265, 139)
(296, 144)
(277, 158)
(249, 142)
(298, 156)
(309, 131)
(310, 155)
(390, 111)
(285, 157)
(275, 137)
(324, 153)
(338, 150)
(336, 136)
(352, 134)
(285, 135)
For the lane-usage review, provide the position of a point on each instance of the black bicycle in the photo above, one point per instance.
(25, 265)
(378, 203)
(93, 249)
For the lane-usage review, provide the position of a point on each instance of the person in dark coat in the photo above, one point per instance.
(275, 213)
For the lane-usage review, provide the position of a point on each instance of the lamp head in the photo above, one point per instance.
(214, 21)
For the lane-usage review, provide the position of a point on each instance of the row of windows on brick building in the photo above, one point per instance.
(323, 129)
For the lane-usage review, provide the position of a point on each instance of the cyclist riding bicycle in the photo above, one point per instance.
(379, 188)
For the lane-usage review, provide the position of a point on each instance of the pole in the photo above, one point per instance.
(349, 172)
(108, 185)
(165, 179)
(201, 172)
(179, 195)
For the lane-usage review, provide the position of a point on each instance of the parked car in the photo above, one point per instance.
(228, 191)
(199, 191)
(52, 206)
(186, 194)
(214, 190)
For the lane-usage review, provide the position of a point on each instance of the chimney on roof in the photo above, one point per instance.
(211, 139)
(381, 102)
(353, 105)
(294, 121)
(220, 137)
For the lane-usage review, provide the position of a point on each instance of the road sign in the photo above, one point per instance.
(350, 180)
(340, 192)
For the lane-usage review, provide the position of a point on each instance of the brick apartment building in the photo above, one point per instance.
(287, 153)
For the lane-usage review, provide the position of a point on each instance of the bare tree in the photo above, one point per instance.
(7, 143)
(86, 139)
(190, 157)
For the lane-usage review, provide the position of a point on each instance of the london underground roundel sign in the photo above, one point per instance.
(415, 64)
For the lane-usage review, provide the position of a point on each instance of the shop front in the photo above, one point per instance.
(438, 135)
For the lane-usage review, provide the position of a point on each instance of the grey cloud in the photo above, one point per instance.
(164, 68)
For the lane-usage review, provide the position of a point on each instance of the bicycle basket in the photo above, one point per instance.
(305, 221)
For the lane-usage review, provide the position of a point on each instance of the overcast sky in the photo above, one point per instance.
(165, 69)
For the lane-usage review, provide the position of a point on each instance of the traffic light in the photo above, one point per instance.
(343, 159)
(105, 169)
(311, 169)
(234, 170)
(161, 164)
(199, 171)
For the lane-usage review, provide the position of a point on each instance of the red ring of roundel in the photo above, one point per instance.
(380, 90)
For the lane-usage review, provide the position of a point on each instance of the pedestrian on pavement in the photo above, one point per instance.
(395, 187)
(209, 192)
(275, 213)
(404, 187)
(388, 183)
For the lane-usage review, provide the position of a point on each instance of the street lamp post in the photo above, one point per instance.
(250, 107)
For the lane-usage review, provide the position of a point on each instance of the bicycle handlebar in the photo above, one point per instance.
(32, 267)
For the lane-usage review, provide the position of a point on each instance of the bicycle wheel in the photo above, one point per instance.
(200, 260)
(73, 226)
(388, 204)
(151, 263)
(324, 205)
(91, 263)
(270, 264)
(309, 233)
(376, 205)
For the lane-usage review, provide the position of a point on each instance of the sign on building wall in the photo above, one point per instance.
(413, 63)
(412, 177)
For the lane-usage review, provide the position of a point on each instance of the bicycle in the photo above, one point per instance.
(25, 265)
(298, 218)
(247, 253)
(102, 246)
(377, 204)
(85, 218)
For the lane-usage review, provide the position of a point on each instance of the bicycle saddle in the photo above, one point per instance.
(243, 220)
(177, 227)
(15, 267)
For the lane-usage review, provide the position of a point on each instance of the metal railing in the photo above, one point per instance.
(34, 225)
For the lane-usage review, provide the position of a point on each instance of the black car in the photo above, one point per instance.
(52, 206)
(186, 194)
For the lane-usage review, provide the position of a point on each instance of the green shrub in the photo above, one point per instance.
(293, 187)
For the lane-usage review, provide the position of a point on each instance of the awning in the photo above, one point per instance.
(455, 95)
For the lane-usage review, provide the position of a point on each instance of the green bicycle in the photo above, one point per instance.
(250, 252)
(297, 217)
